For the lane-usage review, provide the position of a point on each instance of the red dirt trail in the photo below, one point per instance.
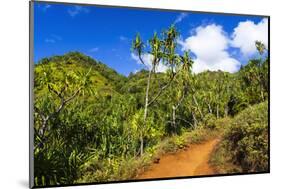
(189, 162)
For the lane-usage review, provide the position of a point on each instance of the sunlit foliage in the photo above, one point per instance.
(91, 123)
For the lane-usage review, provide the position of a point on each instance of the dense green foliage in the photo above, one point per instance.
(91, 123)
(245, 143)
(246, 139)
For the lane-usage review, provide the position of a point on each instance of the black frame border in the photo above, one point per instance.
(31, 69)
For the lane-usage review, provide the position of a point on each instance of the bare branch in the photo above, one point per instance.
(162, 89)
(51, 89)
(184, 120)
(73, 96)
(39, 112)
(180, 101)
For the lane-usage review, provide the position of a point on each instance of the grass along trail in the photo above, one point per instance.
(187, 162)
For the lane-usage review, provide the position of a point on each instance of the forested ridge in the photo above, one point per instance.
(92, 124)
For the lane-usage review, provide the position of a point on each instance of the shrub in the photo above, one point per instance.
(246, 140)
(210, 121)
(223, 123)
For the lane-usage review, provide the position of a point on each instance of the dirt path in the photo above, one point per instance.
(189, 162)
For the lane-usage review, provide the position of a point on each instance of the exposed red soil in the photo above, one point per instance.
(191, 161)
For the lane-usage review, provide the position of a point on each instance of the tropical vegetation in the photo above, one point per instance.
(92, 124)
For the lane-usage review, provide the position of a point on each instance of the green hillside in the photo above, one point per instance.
(101, 75)
(92, 124)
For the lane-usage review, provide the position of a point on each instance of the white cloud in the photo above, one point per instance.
(147, 59)
(210, 44)
(53, 39)
(95, 49)
(180, 17)
(225, 64)
(75, 10)
(123, 38)
(48, 40)
(246, 33)
(136, 71)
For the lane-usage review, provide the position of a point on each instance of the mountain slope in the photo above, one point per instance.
(102, 75)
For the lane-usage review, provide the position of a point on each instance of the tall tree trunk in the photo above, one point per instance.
(141, 145)
(261, 87)
(218, 114)
(174, 118)
(226, 111)
(194, 120)
(175, 107)
(145, 109)
(197, 106)
(210, 108)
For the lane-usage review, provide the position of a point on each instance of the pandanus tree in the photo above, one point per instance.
(195, 95)
(222, 94)
(138, 48)
(228, 90)
(169, 58)
(60, 91)
(263, 69)
(260, 47)
(161, 50)
(255, 75)
(181, 85)
(207, 94)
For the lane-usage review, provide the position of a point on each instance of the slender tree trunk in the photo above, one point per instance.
(197, 105)
(210, 108)
(174, 118)
(262, 95)
(226, 111)
(218, 114)
(145, 109)
(43, 127)
(174, 108)
(141, 145)
(146, 95)
(261, 87)
(194, 120)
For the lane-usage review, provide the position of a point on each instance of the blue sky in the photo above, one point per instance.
(106, 33)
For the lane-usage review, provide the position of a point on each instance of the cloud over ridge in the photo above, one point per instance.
(214, 48)
(209, 44)
(246, 33)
